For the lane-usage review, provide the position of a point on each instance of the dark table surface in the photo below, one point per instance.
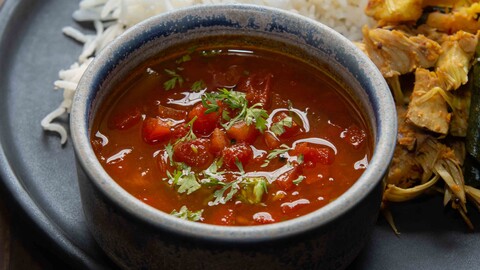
(19, 248)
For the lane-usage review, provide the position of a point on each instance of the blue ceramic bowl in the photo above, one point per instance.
(138, 236)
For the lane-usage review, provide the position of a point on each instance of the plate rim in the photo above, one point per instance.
(17, 196)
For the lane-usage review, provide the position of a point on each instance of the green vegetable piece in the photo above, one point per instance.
(185, 213)
(252, 189)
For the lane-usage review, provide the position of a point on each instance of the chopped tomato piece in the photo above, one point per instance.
(219, 140)
(271, 141)
(195, 153)
(355, 136)
(285, 180)
(241, 132)
(155, 130)
(125, 119)
(205, 122)
(289, 131)
(258, 88)
(179, 131)
(240, 151)
(168, 112)
(314, 154)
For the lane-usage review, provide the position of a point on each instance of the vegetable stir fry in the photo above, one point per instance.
(426, 50)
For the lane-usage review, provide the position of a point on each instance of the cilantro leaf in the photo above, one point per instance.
(300, 159)
(173, 81)
(239, 166)
(251, 190)
(299, 180)
(213, 176)
(198, 85)
(190, 136)
(209, 101)
(169, 150)
(221, 197)
(183, 59)
(185, 213)
(278, 128)
(275, 153)
(185, 179)
(188, 183)
(257, 115)
(236, 101)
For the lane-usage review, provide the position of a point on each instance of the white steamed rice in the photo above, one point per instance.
(112, 17)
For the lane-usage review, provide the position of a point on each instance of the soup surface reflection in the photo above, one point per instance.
(231, 136)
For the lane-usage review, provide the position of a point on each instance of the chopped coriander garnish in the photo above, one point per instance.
(275, 153)
(225, 116)
(299, 180)
(213, 176)
(239, 166)
(184, 178)
(258, 116)
(278, 128)
(251, 190)
(300, 159)
(222, 196)
(173, 81)
(198, 85)
(190, 136)
(183, 59)
(185, 213)
(236, 101)
(169, 150)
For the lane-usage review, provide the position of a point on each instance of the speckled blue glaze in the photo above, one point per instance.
(138, 236)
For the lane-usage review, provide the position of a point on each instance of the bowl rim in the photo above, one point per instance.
(378, 165)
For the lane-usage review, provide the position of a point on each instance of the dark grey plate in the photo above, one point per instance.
(38, 174)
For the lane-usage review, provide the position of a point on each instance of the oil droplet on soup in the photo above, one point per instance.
(232, 136)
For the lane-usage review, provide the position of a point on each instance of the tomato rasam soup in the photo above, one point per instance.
(232, 135)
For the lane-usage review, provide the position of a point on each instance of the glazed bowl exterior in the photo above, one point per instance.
(137, 236)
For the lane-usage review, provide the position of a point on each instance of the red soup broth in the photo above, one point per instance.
(232, 136)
